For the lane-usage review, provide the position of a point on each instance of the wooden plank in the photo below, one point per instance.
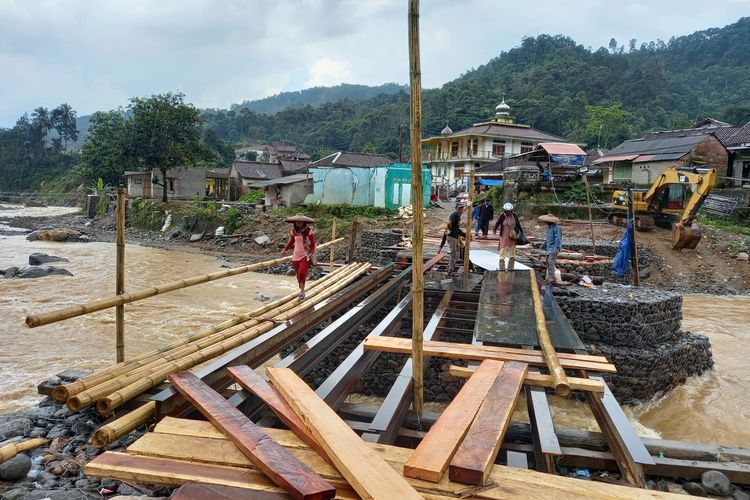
(538, 379)
(251, 381)
(431, 458)
(217, 492)
(365, 471)
(510, 482)
(466, 351)
(281, 467)
(476, 455)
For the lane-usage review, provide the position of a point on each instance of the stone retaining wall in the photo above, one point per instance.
(372, 246)
(638, 330)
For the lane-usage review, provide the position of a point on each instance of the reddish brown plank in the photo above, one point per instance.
(431, 458)
(476, 455)
(251, 381)
(217, 492)
(278, 464)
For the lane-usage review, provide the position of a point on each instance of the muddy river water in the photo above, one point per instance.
(713, 408)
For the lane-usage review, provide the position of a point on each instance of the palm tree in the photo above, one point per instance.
(64, 121)
(41, 123)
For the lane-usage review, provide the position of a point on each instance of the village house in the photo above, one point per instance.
(274, 152)
(183, 183)
(217, 183)
(242, 173)
(641, 161)
(285, 191)
(558, 161)
(451, 155)
(361, 179)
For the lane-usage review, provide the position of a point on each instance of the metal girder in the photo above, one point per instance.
(265, 346)
(392, 412)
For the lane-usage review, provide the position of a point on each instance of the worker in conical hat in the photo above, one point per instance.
(553, 244)
(302, 239)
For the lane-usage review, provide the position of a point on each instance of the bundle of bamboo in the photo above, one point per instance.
(112, 387)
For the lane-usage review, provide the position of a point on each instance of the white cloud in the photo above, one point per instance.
(325, 71)
(95, 55)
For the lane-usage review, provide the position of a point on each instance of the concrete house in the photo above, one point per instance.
(286, 191)
(243, 173)
(640, 161)
(361, 179)
(451, 155)
(183, 183)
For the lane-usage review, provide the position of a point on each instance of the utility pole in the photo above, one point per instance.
(400, 143)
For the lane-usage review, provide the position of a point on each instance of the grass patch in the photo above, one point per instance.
(729, 225)
(253, 196)
(146, 214)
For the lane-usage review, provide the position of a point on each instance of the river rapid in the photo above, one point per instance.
(30, 356)
(713, 408)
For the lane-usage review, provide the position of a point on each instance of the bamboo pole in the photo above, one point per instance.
(559, 379)
(417, 289)
(89, 396)
(62, 393)
(333, 247)
(591, 218)
(114, 430)
(33, 321)
(107, 405)
(120, 276)
(467, 242)
(11, 450)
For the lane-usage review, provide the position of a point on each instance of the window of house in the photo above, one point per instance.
(527, 147)
(454, 149)
(473, 146)
(439, 149)
(171, 184)
(459, 172)
(138, 181)
(498, 147)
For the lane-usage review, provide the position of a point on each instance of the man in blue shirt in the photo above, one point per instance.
(553, 244)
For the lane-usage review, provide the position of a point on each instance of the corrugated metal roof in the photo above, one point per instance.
(257, 170)
(290, 179)
(503, 130)
(658, 146)
(347, 159)
(608, 158)
(659, 157)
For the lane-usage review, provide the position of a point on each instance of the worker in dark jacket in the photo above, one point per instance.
(486, 214)
(454, 231)
(510, 230)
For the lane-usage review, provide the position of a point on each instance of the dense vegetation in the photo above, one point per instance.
(316, 96)
(552, 83)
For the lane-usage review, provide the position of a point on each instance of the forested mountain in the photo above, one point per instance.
(316, 96)
(551, 83)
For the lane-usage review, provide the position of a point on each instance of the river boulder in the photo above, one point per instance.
(56, 234)
(36, 259)
(39, 272)
(15, 468)
(10, 272)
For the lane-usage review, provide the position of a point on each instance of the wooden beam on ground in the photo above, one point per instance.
(392, 412)
(431, 458)
(281, 467)
(537, 379)
(366, 472)
(218, 492)
(476, 455)
(466, 351)
(249, 380)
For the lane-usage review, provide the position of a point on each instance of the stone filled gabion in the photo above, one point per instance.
(638, 330)
(606, 249)
(624, 316)
(373, 244)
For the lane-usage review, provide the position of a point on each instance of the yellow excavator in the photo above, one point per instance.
(675, 196)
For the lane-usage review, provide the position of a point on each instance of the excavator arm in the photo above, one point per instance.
(684, 234)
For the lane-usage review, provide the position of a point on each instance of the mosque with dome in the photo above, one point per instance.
(451, 155)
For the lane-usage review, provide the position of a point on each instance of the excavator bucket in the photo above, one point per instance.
(685, 236)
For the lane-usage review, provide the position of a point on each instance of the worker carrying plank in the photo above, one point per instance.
(302, 239)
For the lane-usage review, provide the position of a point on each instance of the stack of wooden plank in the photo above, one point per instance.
(321, 456)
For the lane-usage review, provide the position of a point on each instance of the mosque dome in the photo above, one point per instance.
(502, 108)
(446, 131)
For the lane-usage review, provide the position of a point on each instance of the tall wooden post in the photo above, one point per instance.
(333, 247)
(120, 274)
(417, 288)
(469, 220)
(591, 219)
(353, 242)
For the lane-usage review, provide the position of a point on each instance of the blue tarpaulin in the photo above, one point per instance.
(621, 264)
(489, 182)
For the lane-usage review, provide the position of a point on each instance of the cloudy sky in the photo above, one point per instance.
(95, 54)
